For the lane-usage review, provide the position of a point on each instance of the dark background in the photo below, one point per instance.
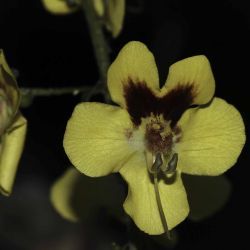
(56, 51)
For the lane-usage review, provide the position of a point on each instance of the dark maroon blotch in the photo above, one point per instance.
(141, 101)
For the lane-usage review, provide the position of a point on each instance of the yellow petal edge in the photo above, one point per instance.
(95, 138)
(195, 71)
(62, 192)
(115, 16)
(213, 138)
(134, 62)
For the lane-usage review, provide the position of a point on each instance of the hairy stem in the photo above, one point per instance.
(53, 91)
(98, 39)
(28, 94)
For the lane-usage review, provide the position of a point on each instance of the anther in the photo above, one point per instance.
(172, 164)
(157, 163)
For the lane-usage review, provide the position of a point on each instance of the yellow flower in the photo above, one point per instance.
(112, 11)
(12, 127)
(155, 123)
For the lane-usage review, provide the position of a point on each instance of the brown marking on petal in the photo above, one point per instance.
(142, 102)
(177, 101)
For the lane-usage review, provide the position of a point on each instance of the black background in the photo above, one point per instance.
(56, 51)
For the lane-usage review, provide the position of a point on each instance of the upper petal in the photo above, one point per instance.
(136, 64)
(58, 7)
(195, 72)
(212, 139)
(95, 139)
(141, 204)
(115, 15)
(11, 151)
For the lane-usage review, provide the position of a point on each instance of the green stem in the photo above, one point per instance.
(28, 94)
(159, 204)
(33, 92)
(98, 39)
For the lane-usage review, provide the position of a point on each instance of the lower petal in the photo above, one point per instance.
(141, 204)
(95, 138)
(213, 138)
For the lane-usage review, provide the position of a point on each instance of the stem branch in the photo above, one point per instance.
(53, 91)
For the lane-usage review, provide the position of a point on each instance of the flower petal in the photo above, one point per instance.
(212, 140)
(58, 7)
(135, 63)
(96, 138)
(62, 193)
(206, 194)
(76, 196)
(193, 71)
(141, 204)
(9, 94)
(10, 153)
(115, 15)
(99, 7)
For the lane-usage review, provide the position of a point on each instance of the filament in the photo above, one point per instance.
(156, 166)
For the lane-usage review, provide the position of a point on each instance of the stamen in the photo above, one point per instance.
(172, 164)
(157, 163)
(156, 166)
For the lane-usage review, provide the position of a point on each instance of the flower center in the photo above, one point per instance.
(159, 136)
(160, 139)
(155, 136)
